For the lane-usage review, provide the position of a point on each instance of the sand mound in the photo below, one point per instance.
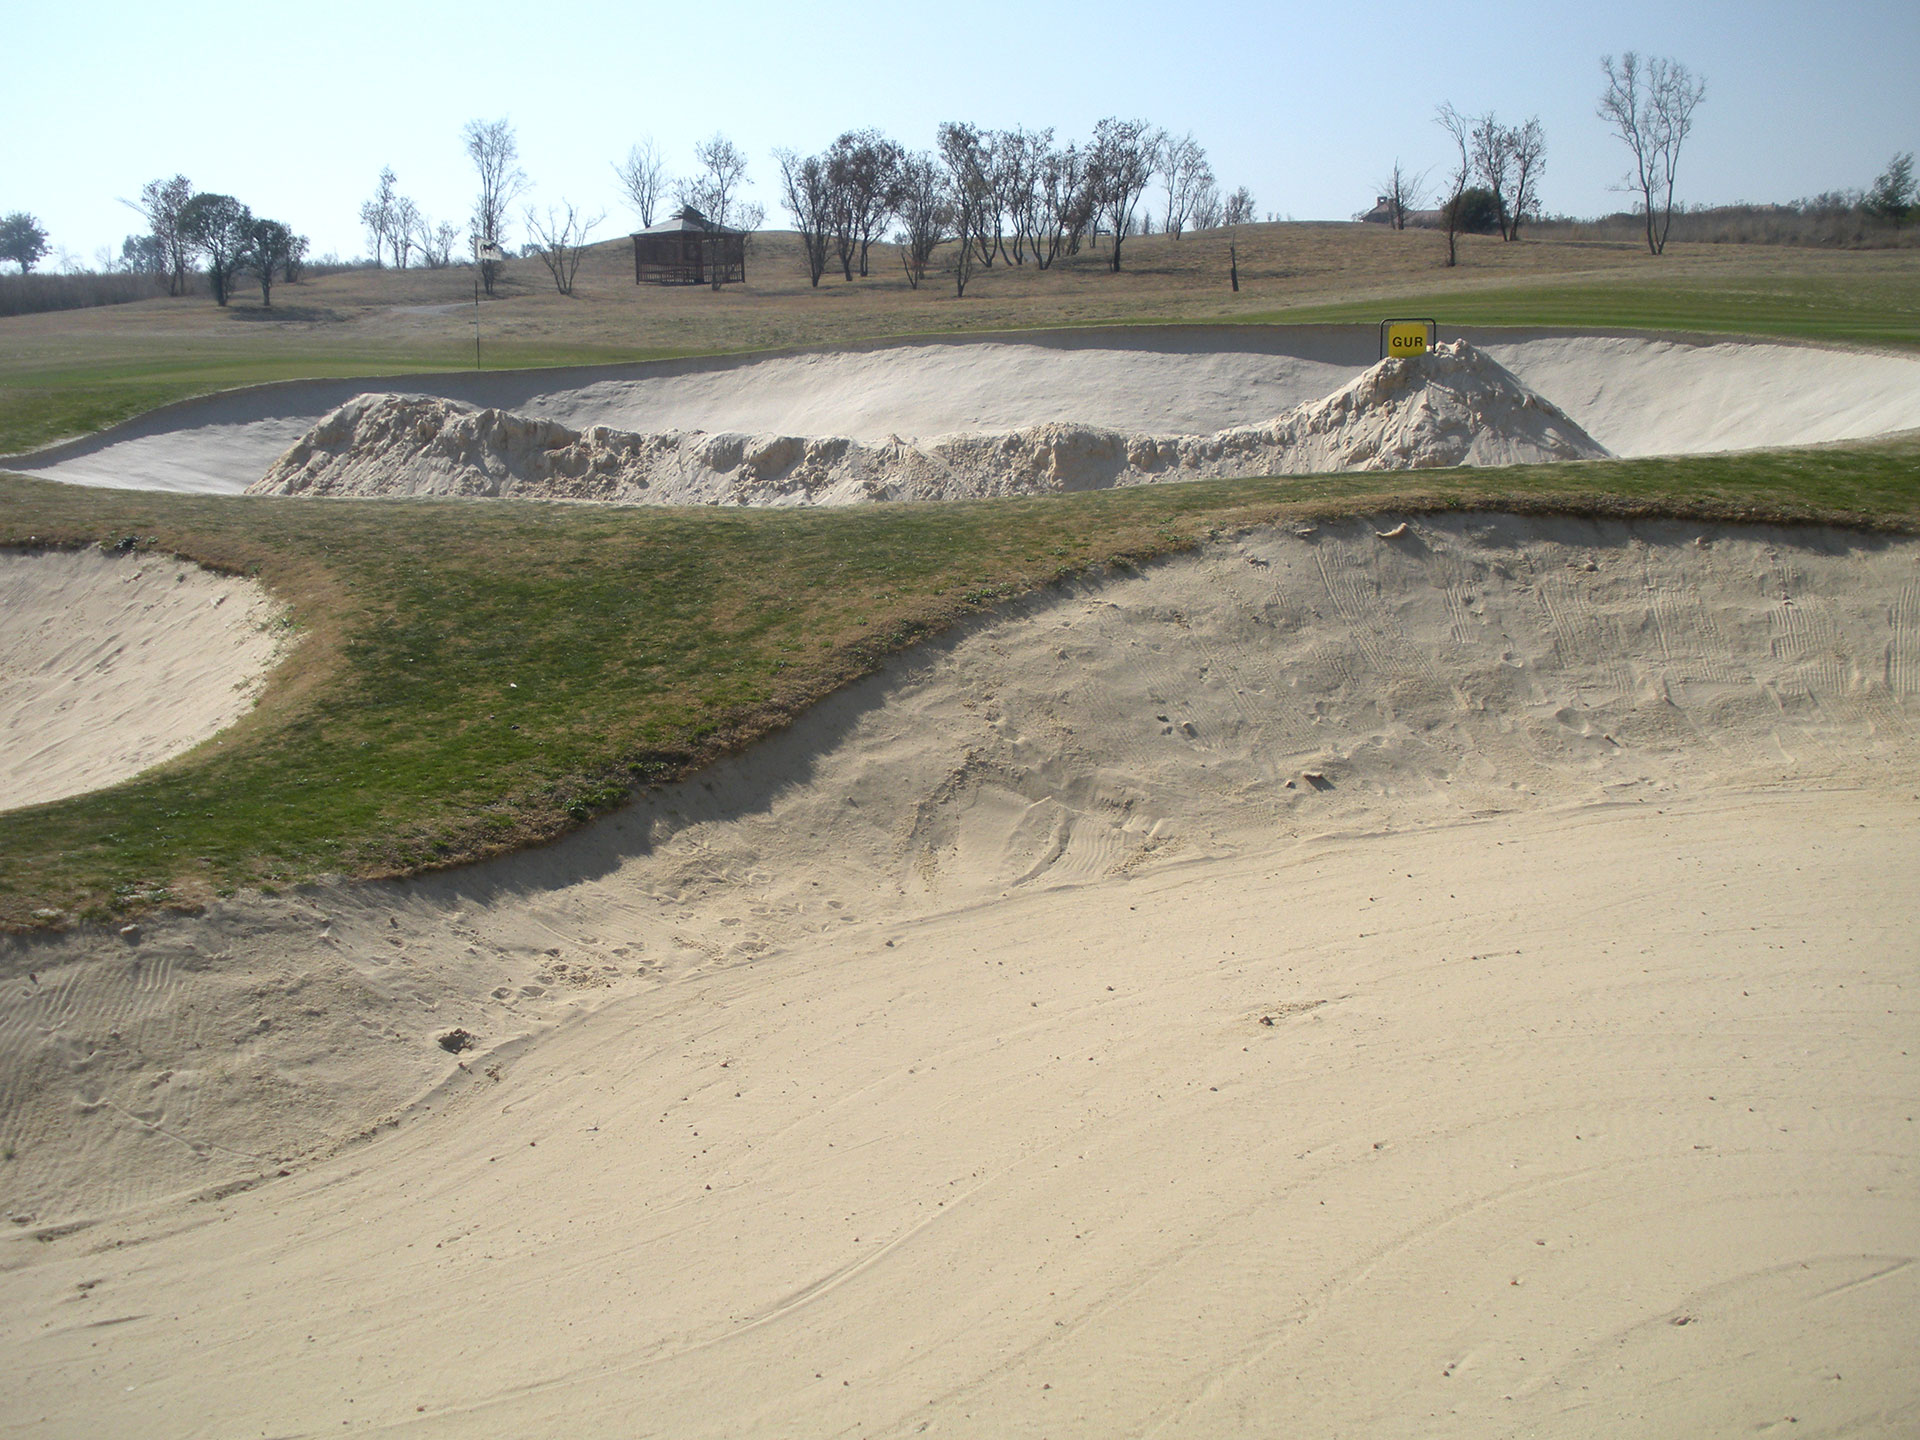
(1474, 944)
(1455, 406)
(110, 664)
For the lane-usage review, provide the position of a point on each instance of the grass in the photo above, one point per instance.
(1876, 307)
(472, 678)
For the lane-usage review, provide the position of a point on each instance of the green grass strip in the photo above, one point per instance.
(1874, 310)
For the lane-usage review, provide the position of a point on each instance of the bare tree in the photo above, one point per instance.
(1120, 167)
(161, 202)
(1065, 205)
(1002, 178)
(1402, 193)
(404, 232)
(436, 244)
(863, 169)
(967, 153)
(377, 215)
(1187, 175)
(970, 205)
(1207, 207)
(1238, 209)
(643, 179)
(495, 152)
(1649, 103)
(1460, 130)
(559, 239)
(808, 194)
(925, 214)
(1020, 165)
(1492, 146)
(1529, 149)
(715, 191)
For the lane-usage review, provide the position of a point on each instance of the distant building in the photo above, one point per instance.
(689, 249)
(1382, 214)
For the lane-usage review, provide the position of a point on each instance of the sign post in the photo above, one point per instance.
(1404, 339)
(485, 252)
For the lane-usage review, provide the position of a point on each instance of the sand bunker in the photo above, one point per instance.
(1633, 394)
(1452, 407)
(111, 663)
(1473, 945)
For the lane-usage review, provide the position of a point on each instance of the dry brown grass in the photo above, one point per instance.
(427, 315)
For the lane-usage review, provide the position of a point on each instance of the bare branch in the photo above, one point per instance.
(560, 237)
(1120, 168)
(807, 192)
(1403, 193)
(715, 191)
(494, 151)
(1460, 130)
(926, 215)
(1650, 106)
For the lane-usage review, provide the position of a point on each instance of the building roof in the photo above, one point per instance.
(688, 220)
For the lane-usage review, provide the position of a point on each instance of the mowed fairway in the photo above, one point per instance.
(1361, 954)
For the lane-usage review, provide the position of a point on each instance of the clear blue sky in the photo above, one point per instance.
(294, 109)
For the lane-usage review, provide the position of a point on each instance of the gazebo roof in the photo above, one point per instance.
(688, 221)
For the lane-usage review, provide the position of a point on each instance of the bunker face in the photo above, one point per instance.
(1474, 944)
(1634, 395)
(111, 664)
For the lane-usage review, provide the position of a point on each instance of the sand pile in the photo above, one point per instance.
(1455, 406)
(111, 663)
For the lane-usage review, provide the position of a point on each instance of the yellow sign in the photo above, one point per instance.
(1407, 337)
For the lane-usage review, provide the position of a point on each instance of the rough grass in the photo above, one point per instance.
(473, 677)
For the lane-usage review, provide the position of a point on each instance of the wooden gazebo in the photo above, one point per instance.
(689, 249)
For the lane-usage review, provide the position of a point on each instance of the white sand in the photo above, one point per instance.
(1641, 396)
(111, 664)
(1635, 395)
(912, 1074)
(1454, 406)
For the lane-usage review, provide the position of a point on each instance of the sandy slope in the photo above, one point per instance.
(914, 1073)
(1636, 395)
(110, 664)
